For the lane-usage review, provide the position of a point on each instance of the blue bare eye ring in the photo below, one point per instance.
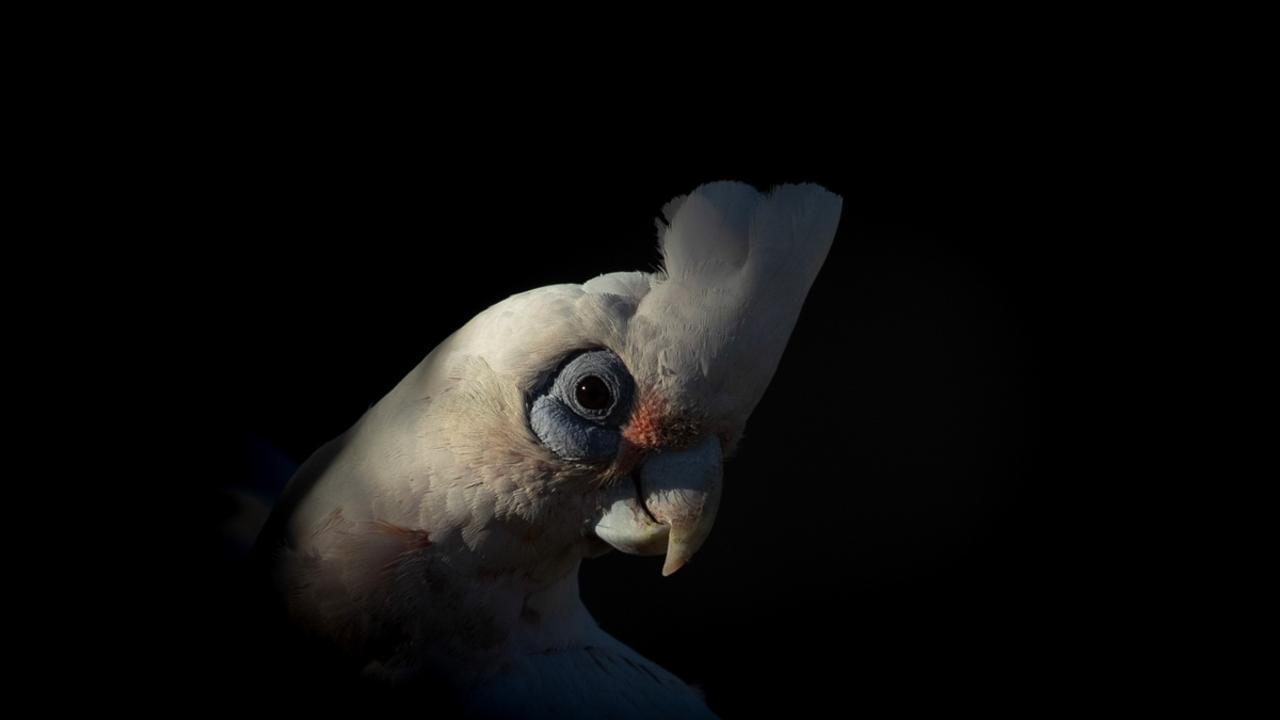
(578, 413)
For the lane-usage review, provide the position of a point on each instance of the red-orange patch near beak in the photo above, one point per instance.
(655, 426)
(645, 431)
(642, 434)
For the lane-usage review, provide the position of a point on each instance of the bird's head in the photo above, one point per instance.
(603, 411)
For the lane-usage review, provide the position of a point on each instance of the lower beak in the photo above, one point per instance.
(670, 507)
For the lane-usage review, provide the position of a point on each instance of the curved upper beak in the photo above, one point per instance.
(671, 506)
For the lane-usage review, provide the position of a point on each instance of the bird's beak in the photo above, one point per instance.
(670, 506)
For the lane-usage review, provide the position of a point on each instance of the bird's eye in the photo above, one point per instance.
(579, 411)
(593, 394)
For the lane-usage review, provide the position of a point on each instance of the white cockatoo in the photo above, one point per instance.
(438, 540)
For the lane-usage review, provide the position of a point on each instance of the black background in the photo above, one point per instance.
(901, 525)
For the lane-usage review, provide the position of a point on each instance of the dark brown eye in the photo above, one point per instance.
(593, 394)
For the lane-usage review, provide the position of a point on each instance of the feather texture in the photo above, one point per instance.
(440, 538)
(738, 265)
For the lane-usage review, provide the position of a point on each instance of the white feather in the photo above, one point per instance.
(738, 266)
(439, 519)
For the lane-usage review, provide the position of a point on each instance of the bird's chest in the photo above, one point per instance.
(444, 612)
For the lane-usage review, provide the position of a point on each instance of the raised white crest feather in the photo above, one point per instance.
(737, 266)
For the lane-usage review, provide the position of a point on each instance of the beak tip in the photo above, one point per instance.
(674, 561)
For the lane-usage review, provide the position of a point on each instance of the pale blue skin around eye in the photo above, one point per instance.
(571, 431)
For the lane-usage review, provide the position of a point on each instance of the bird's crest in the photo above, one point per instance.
(737, 265)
